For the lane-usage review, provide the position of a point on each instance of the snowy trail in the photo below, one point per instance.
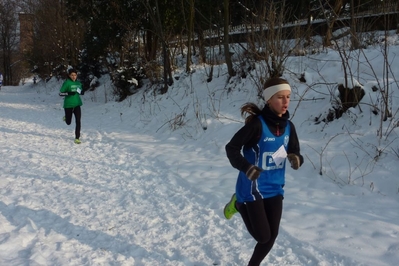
(119, 198)
(102, 198)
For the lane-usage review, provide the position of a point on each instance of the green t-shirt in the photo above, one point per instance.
(75, 88)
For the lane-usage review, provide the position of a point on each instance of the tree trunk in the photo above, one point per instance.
(336, 11)
(354, 40)
(201, 44)
(226, 39)
(190, 35)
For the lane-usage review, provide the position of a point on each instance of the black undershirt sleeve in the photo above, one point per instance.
(247, 136)
(293, 144)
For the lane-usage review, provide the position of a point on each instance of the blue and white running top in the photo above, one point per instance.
(271, 181)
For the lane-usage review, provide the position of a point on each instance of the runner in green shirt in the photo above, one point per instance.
(72, 89)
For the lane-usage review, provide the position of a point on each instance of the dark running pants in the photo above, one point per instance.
(262, 219)
(68, 118)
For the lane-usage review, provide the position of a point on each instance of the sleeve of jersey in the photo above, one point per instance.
(64, 87)
(247, 135)
(293, 144)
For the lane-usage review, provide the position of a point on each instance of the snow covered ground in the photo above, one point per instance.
(148, 184)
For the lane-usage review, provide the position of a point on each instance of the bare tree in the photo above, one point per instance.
(226, 39)
(354, 40)
(331, 15)
(154, 14)
(269, 41)
(8, 39)
(190, 34)
(56, 39)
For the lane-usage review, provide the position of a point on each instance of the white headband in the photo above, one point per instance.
(270, 91)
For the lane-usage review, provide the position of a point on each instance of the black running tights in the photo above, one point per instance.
(262, 219)
(68, 118)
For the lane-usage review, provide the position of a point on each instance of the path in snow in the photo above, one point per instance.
(119, 198)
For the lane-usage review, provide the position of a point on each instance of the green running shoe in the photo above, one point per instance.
(230, 208)
(77, 141)
(63, 118)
